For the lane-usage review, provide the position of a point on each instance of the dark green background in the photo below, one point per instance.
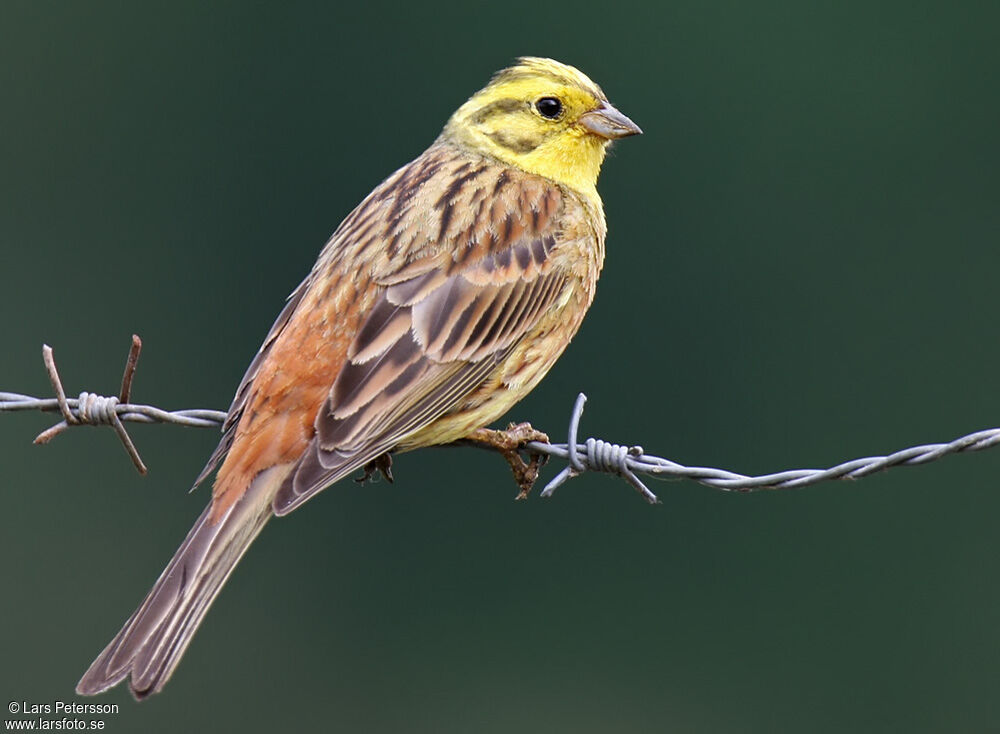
(802, 268)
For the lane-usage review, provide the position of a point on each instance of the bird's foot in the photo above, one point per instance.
(381, 464)
(509, 444)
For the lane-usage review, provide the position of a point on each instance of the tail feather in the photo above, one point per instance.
(154, 638)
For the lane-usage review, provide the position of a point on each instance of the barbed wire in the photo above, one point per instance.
(627, 461)
(594, 455)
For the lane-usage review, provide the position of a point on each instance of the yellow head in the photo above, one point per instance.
(545, 118)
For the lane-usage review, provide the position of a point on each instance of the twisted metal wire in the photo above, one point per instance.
(95, 410)
(594, 455)
(627, 461)
(131, 412)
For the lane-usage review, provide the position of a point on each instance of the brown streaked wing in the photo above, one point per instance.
(434, 338)
(321, 467)
(392, 229)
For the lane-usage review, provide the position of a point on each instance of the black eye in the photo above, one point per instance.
(549, 107)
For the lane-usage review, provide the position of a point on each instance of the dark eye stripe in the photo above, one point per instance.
(499, 106)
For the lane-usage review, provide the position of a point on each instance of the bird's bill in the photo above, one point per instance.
(607, 122)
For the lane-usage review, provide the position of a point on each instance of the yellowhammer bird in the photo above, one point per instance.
(438, 303)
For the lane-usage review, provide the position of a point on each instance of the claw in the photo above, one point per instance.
(508, 444)
(381, 464)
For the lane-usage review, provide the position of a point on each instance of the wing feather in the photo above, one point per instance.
(403, 376)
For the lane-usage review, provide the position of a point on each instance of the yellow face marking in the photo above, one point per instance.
(528, 115)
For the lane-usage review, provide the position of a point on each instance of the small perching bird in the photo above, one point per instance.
(437, 304)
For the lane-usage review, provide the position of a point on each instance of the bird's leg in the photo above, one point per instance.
(508, 444)
(381, 464)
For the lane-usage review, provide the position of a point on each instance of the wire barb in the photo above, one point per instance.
(90, 408)
(593, 454)
(130, 364)
(597, 455)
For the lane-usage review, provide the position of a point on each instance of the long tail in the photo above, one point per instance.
(154, 638)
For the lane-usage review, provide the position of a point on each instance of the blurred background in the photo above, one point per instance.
(802, 269)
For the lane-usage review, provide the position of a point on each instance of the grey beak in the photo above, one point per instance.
(607, 122)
